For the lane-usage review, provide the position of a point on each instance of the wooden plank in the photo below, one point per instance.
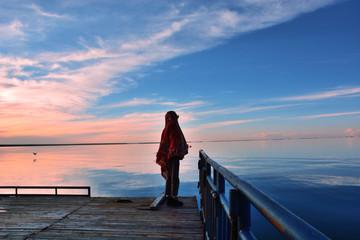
(97, 218)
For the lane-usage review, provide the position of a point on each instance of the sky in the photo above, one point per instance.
(108, 71)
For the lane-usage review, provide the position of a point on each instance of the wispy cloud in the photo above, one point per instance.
(15, 61)
(156, 38)
(349, 92)
(143, 102)
(327, 115)
(227, 123)
(12, 30)
(243, 109)
(39, 11)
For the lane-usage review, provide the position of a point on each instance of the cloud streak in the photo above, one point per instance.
(349, 92)
(144, 102)
(39, 11)
(327, 115)
(243, 109)
(227, 123)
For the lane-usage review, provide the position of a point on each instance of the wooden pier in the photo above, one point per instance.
(67, 217)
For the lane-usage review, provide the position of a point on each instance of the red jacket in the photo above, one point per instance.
(172, 144)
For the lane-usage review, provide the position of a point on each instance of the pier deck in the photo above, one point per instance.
(48, 217)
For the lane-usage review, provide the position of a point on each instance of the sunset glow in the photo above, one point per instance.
(79, 71)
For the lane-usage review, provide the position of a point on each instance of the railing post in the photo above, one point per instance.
(209, 201)
(234, 213)
(220, 189)
(202, 177)
(205, 195)
(245, 217)
(245, 213)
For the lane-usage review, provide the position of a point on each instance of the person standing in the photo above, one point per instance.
(172, 149)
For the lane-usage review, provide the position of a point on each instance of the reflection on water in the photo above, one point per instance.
(318, 179)
(106, 169)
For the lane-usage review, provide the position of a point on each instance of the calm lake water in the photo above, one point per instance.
(317, 179)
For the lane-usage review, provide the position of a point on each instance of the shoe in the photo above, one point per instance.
(177, 203)
(174, 202)
(169, 201)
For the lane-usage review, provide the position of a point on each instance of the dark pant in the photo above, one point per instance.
(172, 181)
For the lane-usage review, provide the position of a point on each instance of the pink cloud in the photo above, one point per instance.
(12, 30)
(16, 61)
(271, 135)
(352, 132)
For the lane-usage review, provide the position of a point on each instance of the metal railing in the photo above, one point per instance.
(17, 193)
(231, 218)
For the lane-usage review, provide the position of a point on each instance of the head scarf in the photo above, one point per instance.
(172, 144)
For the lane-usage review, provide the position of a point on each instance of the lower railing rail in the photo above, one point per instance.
(230, 218)
(41, 191)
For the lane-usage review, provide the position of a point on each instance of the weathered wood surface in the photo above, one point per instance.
(97, 218)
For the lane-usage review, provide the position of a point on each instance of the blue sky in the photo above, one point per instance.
(108, 71)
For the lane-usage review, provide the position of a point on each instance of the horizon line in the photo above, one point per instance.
(197, 141)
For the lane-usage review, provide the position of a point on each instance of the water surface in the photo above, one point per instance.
(317, 179)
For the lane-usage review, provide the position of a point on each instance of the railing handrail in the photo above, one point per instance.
(56, 188)
(285, 221)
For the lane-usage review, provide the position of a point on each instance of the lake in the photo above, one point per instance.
(317, 179)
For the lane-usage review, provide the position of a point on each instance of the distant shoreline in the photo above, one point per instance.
(133, 143)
